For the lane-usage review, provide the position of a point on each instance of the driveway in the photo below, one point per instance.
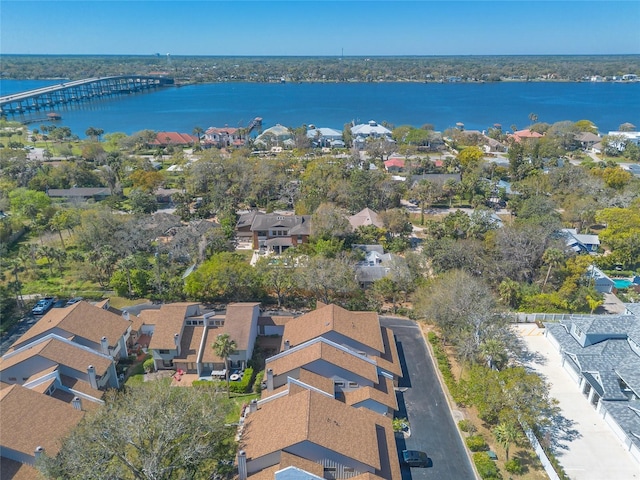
(587, 448)
(422, 401)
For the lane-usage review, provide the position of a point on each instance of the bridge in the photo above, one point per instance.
(78, 91)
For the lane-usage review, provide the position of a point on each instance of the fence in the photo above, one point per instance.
(538, 317)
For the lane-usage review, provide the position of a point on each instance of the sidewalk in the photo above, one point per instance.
(589, 450)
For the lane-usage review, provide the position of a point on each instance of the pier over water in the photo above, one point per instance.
(78, 91)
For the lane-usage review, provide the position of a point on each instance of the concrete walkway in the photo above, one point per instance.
(589, 449)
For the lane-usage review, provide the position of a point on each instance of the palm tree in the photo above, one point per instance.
(552, 257)
(494, 352)
(224, 347)
(506, 435)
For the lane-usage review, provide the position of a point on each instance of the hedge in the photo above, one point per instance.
(244, 385)
(445, 367)
(476, 443)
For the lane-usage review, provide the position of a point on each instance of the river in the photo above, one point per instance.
(477, 105)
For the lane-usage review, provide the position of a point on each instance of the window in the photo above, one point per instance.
(339, 384)
(163, 352)
(353, 385)
(348, 470)
(330, 469)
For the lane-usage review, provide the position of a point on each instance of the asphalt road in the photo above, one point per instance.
(422, 401)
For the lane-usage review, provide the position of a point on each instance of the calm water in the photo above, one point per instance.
(478, 106)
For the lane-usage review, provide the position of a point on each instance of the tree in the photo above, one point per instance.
(507, 434)
(94, 133)
(277, 275)
(327, 278)
(225, 276)
(470, 158)
(150, 432)
(224, 347)
(465, 310)
(425, 192)
(552, 257)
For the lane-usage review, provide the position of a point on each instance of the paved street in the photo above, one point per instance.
(589, 450)
(422, 401)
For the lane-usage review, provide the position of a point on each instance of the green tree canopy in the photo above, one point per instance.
(150, 432)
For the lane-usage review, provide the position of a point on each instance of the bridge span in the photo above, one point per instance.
(78, 91)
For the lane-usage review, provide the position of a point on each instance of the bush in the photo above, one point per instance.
(243, 385)
(485, 466)
(467, 426)
(476, 443)
(257, 384)
(514, 466)
(148, 365)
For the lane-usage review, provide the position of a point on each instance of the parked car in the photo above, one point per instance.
(415, 458)
(60, 304)
(43, 306)
(74, 300)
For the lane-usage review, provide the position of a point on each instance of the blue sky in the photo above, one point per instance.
(320, 27)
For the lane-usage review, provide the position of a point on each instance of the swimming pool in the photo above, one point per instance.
(622, 283)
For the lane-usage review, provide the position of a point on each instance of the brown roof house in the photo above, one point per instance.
(274, 232)
(306, 433)
(182, 335)
(32, 424)
(96, 328)
(60, 367)
(351, 349)
(365, 217)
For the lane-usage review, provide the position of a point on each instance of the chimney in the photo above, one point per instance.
(38, 452)
(253, 406)
(92, 376)
(242, 465)
(77, 403)
(270, 380)
(287, 345)
(125, 315)
(104, 343)
(176, 341)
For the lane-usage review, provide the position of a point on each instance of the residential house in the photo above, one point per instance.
(587, 140)
(371, 129)
(307, 433)
(182, 335)
(51, 375)
(375, 265)
(273, 232)
(394, 164)
(365, 217)
(601, 353)
(33, 423)
(601, 281)
(80, 194)
(524, 135)
(581, 243)
(350, 349)
(325, 137)
(84, 324)
(55, 364)
(223, 137)
(175, 139)
(633, 137)
(277, 135)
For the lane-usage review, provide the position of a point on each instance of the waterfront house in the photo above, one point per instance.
(523, 135)
(175, 139)
(223, 137)
(325, 137)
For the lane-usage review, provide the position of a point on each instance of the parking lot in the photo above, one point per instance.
(422, 401)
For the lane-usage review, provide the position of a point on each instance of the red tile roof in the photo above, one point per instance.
(174, 138)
